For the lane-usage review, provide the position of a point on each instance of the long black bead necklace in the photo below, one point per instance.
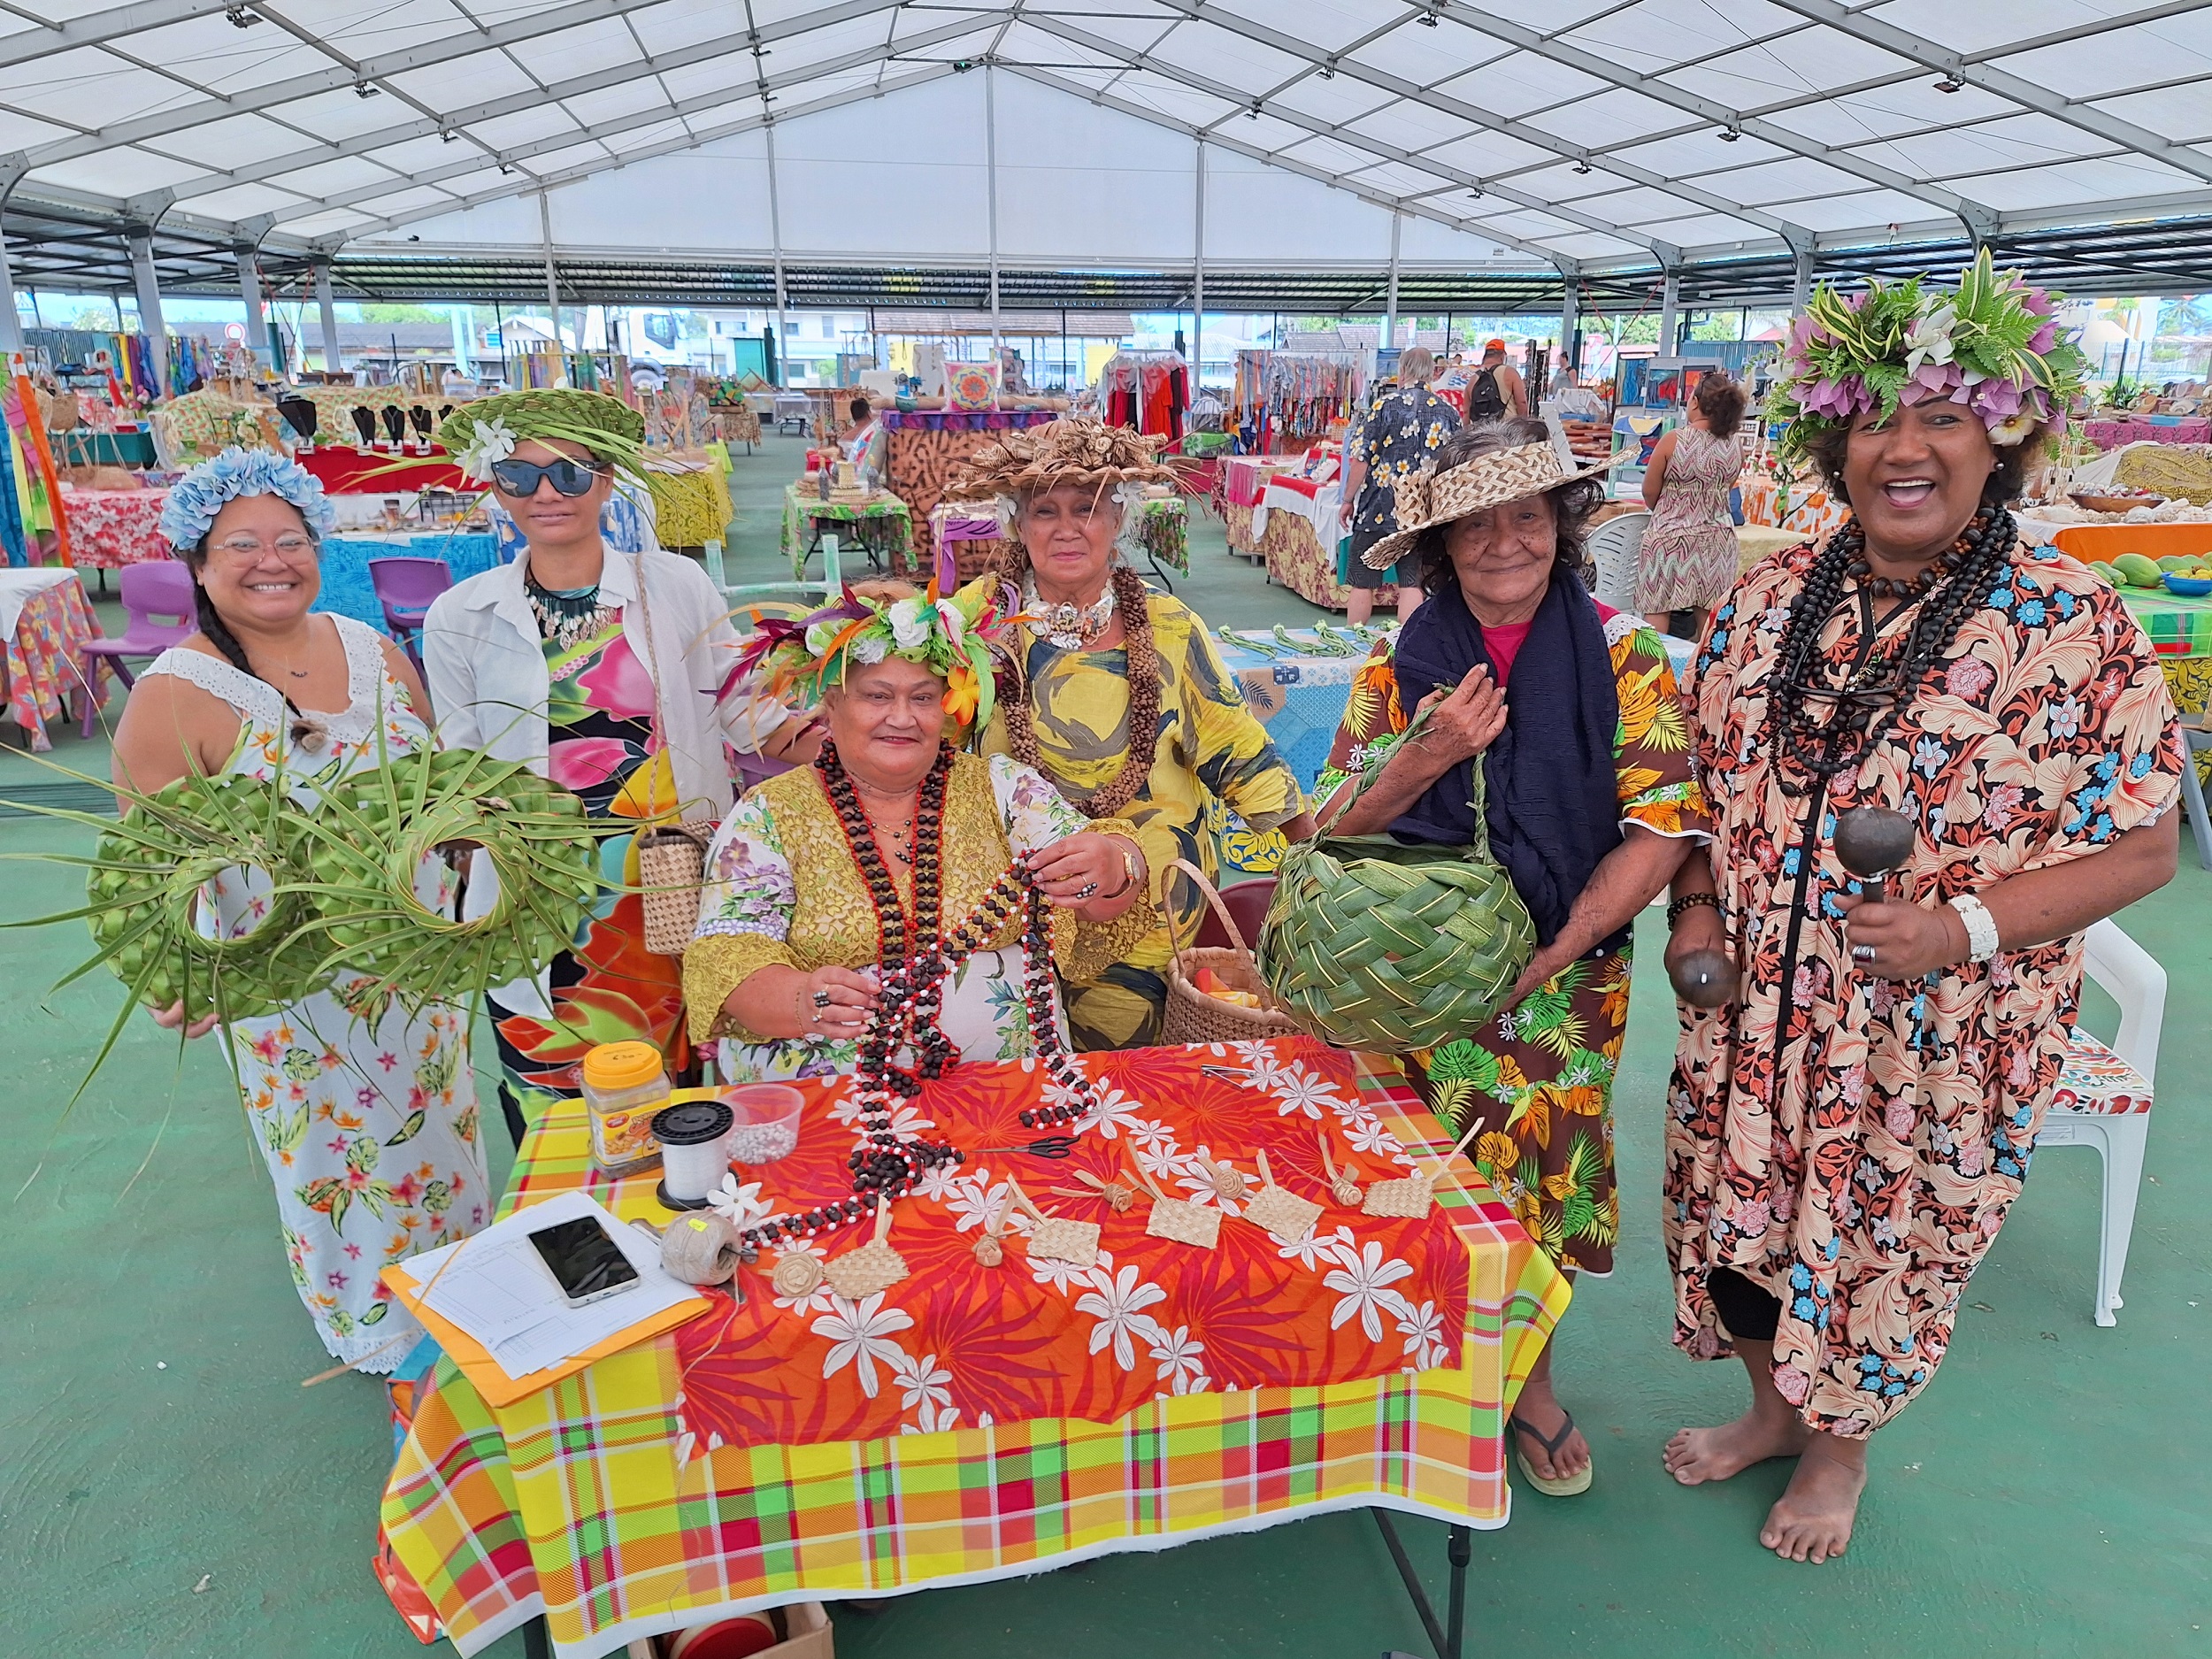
(1866, 704)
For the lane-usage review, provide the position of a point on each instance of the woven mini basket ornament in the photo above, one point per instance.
(1286, 1215)
(1392, 948)
(874, 1266)
(671, 864)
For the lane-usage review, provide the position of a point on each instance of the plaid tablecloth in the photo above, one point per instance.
(888, 516)
(2178, 625)
(578, 1502)
(42, 662)
(110, 528)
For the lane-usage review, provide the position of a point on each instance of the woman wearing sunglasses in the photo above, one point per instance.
(610, 673)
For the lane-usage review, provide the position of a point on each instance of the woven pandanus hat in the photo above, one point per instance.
(1025, 460)
(1430, 497)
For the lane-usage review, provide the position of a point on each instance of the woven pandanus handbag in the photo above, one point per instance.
(1376, 945)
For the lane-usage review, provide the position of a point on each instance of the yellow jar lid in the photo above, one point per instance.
(619, 1065)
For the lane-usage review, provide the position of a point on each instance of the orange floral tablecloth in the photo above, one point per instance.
(43, 666)
(110, 528)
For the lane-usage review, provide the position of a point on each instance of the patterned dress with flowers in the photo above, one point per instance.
(1541, 1075)
(607, 987)
(1849, 1144)
(365, 1110)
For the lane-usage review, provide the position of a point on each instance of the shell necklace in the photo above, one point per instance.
(1068, 627)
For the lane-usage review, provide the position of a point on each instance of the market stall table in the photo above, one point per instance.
(710, 1470)
(882, 525)
(44, 616)
(110, 528)
(924, 449)
(1811, 512)
(2110, 434)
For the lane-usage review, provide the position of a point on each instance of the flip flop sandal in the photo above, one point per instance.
(1564, 1486)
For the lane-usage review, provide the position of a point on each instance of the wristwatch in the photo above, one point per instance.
(1981, 927)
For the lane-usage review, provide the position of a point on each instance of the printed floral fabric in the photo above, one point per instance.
(43, 661)
(365, 1110)
(607, 987)
(1398, 438)
(1688, 557)
(110, 528)
(955, 1344)
(781, 887)
(1541, 1074)
(1850, 1144)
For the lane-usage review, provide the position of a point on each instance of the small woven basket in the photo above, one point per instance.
(1192, 1015)
(671, 865)
(1394, 948)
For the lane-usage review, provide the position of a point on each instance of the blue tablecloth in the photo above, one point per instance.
(347, 589)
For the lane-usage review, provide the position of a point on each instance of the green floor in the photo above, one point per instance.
(2048, 1497)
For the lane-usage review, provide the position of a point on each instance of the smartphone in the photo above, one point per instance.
(585, 1263)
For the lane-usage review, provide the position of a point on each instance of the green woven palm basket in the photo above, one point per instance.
(1392, 948)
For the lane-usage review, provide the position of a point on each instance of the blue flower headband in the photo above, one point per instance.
(195, 498)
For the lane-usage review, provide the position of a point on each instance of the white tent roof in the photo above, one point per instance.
(1588, 135)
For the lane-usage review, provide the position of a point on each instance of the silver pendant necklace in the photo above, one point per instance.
(1068, 627)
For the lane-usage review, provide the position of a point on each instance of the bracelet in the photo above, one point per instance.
(1981, 927)
(1687, 903)
(1129, 856)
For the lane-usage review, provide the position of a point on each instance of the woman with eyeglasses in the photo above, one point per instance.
(364, 1109)
(612, 674)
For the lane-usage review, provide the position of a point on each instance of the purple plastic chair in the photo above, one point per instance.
(157, 588)
(752, 769)
(405, 588)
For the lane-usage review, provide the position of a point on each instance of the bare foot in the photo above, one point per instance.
(1539, 1413)
(1812, 1519)
(1694, 1457)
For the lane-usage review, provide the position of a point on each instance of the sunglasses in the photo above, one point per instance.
(522, 478)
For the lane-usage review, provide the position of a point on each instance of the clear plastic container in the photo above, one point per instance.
(766, 1124)
(624, 1087)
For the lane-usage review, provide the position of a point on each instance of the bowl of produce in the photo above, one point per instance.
(2115, 500)
(2195, 583)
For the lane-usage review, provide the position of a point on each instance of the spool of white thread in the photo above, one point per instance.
(695, 1151)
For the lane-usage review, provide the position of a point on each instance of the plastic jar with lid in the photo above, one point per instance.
(624, 1086)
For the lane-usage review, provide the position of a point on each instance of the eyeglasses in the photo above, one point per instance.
(522, 478)
(291, 549)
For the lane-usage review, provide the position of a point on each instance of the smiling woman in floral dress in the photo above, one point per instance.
(1845, 1139)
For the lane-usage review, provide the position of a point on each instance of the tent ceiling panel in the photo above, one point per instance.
(21, 132)
(1326, 27)
(732, 74)
(333, 118)
(2029, 187)
(1492, 154)
(1408, 126)
(608, 104)
(2179, 110)
(119, 172)
(72, 87)
(1518, 82)
(549, 120)
(1808, 57)
(1270, 136)
(1135, 29)
(1175, 100)
(240, 202)
(1329, 154)
(1784, 179)
(1833, 213)
(1424, 57)
(1339, 101)
(476, 78)
(333, 178)
(417, 155)
(1618, 117)
(2111, 63)
(1907, 106)
(234, 142)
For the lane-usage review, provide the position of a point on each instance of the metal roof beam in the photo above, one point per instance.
(1565, 265)
(514, 104)
(536, 26)
(1195, 11)
(1373, 147)
(2004, 84)
(2083, 31)
(1978, 217)
(95, 27)
(532, 185)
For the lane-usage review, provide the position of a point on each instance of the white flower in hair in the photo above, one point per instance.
(909, 623)
(954, 624)
(490, 443)
(820, 636)
(870, 648)
(1929, 340)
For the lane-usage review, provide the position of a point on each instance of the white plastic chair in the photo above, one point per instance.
(2196, 737)
(1614, 545)
(2103, 1098)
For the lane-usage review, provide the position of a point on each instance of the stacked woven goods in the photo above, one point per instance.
(2179, 472)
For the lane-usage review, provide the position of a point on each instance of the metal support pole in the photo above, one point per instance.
(552, 282)
(327, 303)
(990, 172)
(1670, 314)
(1800, 280)
(1570, 321)
(463, 342)
(148, 286)
(250, 292)
(775, 234)
(1198, 280)
(1390, 316)
(10, 321)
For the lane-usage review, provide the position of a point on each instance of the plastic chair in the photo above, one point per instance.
(752, 769)
(2103, 1098)
(1615, 547)
(2196, 737)
(405, 588)
(1247, 902)
(157, 588)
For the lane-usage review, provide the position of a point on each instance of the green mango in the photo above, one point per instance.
(2136, 571)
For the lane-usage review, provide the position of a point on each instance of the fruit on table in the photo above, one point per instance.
(2181, 562)
(2136, 571)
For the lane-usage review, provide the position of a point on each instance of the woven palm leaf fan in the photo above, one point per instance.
(1380, 946)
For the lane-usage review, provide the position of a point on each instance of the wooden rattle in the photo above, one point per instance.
(874, 1266)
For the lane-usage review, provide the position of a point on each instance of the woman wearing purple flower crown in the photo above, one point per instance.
(1845, 1137)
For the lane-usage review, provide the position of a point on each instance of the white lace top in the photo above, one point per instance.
(337, 741)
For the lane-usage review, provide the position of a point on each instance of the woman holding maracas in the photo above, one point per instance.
(1849, 1128)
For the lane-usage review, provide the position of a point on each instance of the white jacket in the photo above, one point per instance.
(484, 662)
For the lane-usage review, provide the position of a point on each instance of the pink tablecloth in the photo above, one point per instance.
(2110, 434)
(43, 666)
(110, 528)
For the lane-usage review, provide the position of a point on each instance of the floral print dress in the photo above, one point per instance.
(782, 888)
(1848, 1144)
(607, 987)
(365, 1110)
(1541, 1074)
(1398, 438)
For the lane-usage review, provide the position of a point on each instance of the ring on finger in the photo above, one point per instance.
(821, 998)
(1089, 889)
(1863, 953)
